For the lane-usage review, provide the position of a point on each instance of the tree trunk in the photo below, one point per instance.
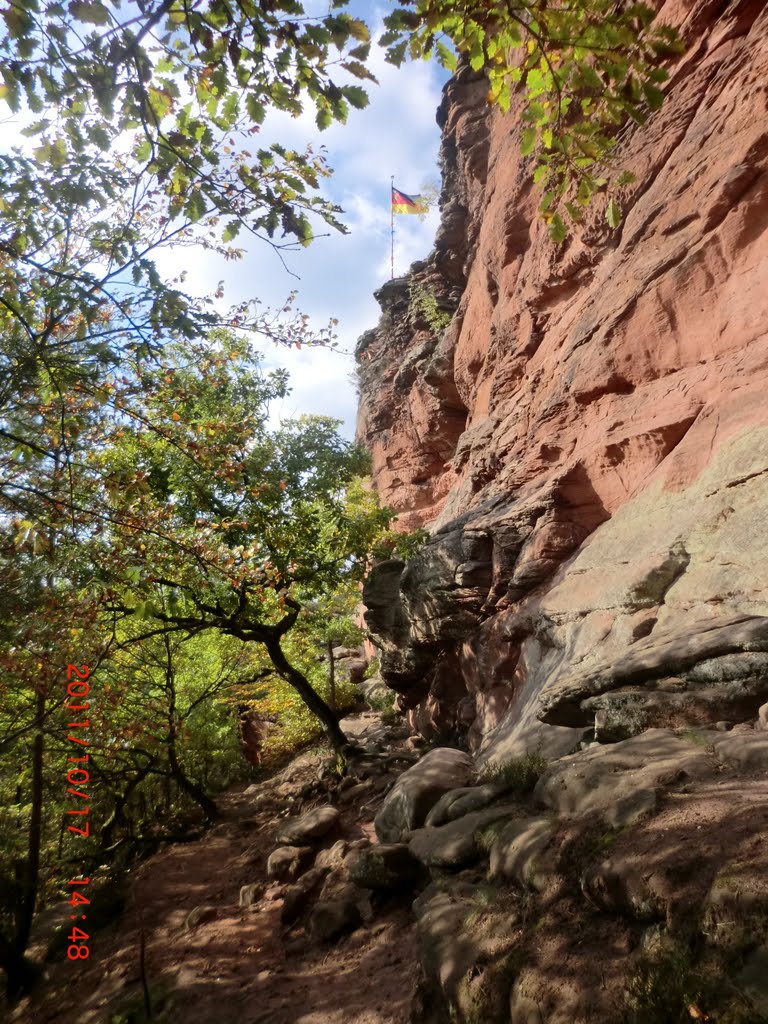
(191, 788)
(19, 972)
(331, 675)
(311, 698)
(117, 817)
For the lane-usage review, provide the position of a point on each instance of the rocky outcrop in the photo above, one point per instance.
(587, 440)
(630, 886)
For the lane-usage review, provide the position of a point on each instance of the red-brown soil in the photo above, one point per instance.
(243, 967)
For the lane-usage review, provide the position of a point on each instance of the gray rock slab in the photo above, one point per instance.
(456, 844)
(415, 793)
(310, 826)
(620, 779)
(665, 652)
(518, 852)
(747, 750)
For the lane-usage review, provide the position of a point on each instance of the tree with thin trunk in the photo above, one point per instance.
(218, 521)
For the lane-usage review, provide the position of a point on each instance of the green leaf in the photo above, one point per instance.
(528, 141)
(89, 11)
(35, 129)
(324, 118)
(231, 231)
(356, 95)
(396, 54)
(446, 56)
(358, 30)
(613, 213)
(195, 207)
(557, 229)
(654, 97)
(256, 110)
(547, 199)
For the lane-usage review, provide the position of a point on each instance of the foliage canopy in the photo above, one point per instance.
(583, 67)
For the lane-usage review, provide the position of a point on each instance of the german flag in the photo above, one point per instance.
(401, 203)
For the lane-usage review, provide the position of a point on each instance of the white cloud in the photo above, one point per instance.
(395, 135)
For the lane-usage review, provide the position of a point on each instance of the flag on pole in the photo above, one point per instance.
(401, 203)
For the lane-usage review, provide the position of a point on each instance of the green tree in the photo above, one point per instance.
(239, 525)
(582, 68)
(149, 133)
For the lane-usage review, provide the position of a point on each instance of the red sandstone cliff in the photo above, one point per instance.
(588, 439)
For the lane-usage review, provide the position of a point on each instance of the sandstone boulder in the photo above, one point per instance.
(748, 750)
(519, 852)
(621, 780)
(333, 857)
(296, 898)
(620, 885)
(376, 689)
(464, 800)
(310, 826)
(329, 919)
(418, 790)
(250, 894)
(200, 915)
(386, 866)
(286, 863)
(457, 843)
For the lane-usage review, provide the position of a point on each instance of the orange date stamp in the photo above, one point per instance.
(78, 689)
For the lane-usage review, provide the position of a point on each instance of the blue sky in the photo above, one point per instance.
(395, 135)
(336, 275)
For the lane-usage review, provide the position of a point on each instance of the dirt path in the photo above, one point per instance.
(243, 966)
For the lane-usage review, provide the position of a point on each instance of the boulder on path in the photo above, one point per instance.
(747, 750)
(330, 919)
(376, 689)
(456, 844)
(384, 867)
(333, 857)
(296, 897)
(286, 863)
(200, 915)
(250, 894)
(310, 826)
(417, 790)
(464, 800)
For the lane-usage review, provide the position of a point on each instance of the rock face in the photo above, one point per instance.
(587, 440)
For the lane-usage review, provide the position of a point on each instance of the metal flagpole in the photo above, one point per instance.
(391, 229)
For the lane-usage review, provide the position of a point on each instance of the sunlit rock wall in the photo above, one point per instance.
(588, 439)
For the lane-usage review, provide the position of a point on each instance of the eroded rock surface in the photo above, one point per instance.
(588, 439)
(417, 790)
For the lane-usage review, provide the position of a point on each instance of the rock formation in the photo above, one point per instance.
(587, 441)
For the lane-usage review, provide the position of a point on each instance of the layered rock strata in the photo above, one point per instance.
(587, 440)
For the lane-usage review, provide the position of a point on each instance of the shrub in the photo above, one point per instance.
(518, 775)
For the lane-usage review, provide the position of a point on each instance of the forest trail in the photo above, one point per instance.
(243, 966)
